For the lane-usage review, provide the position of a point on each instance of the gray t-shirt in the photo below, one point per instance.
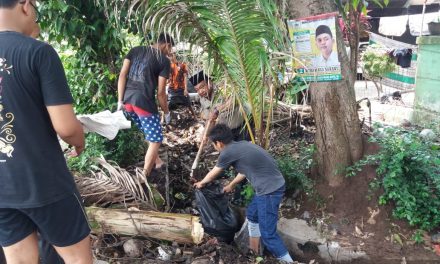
(255, 163)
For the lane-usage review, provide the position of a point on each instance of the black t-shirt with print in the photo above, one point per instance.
(146, 65)
(33, 170)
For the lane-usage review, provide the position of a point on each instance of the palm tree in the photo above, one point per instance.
(238, 36)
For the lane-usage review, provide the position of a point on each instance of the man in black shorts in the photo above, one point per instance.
(37, 191)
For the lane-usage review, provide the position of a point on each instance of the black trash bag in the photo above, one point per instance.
(218, 218)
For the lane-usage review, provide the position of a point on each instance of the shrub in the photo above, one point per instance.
(375, 62)
(295, 170)
(94, 148)
(93, 88)
(409, 173)
(126, 149)
(92, 84)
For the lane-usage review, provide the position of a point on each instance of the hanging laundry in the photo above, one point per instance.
(402, 57)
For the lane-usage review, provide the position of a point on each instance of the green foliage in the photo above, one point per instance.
(92, 42)
(356, 25)
(358, 6)
(293, 89)
(296, 169)
(376, 63)
(247, 193)
(92, 84)
(237, 37)
(94, 148)
(409, 174)
(93, 88)
(85, 26)
(126, 149)
(418, 236)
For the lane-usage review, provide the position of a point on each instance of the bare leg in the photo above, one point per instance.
(150, 157)
(79, 253)
(254, 244)
(24, 251)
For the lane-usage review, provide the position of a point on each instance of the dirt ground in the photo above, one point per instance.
(342, 213)
(346, 211)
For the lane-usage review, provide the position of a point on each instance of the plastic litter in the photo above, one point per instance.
(217, 217)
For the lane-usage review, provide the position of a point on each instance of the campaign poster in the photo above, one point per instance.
(315, 48)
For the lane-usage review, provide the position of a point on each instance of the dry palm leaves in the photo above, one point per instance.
(112, 185)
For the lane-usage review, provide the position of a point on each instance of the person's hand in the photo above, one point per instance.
(204, 140)
(185, 92)
(199, 185)
(214, 115)
(167, 118)
(120, 106)
(77, 151)
(228, 188)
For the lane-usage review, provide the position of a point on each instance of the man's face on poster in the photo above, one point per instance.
(324, 42)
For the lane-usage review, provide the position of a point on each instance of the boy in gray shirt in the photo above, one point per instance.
(255, 164)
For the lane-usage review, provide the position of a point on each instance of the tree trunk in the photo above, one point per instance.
(338, 136)
(181, 228)
(354, 35)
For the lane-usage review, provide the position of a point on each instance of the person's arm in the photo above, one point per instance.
(57, 97)
(123, 80)
(230, 187)
(162, 95)
(224, 106)
(220, 108)
(216, 171)
(67, 126)
(185, 78)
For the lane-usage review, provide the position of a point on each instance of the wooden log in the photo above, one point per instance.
(294, 107)
(182, 228)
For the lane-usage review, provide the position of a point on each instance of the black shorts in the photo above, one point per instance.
(62, 223)
(177, 98)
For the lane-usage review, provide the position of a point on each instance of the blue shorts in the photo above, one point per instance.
(149, 125)
(62, 223)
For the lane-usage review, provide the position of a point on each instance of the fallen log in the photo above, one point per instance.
(182, 228)
(284, 107)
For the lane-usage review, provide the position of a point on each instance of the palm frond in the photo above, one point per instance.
(238, 37)
(111, 185)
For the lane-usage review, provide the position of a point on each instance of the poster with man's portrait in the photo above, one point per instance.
(315, 48)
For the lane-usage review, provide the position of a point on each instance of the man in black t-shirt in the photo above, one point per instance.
(37, 191)
(145, 70)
